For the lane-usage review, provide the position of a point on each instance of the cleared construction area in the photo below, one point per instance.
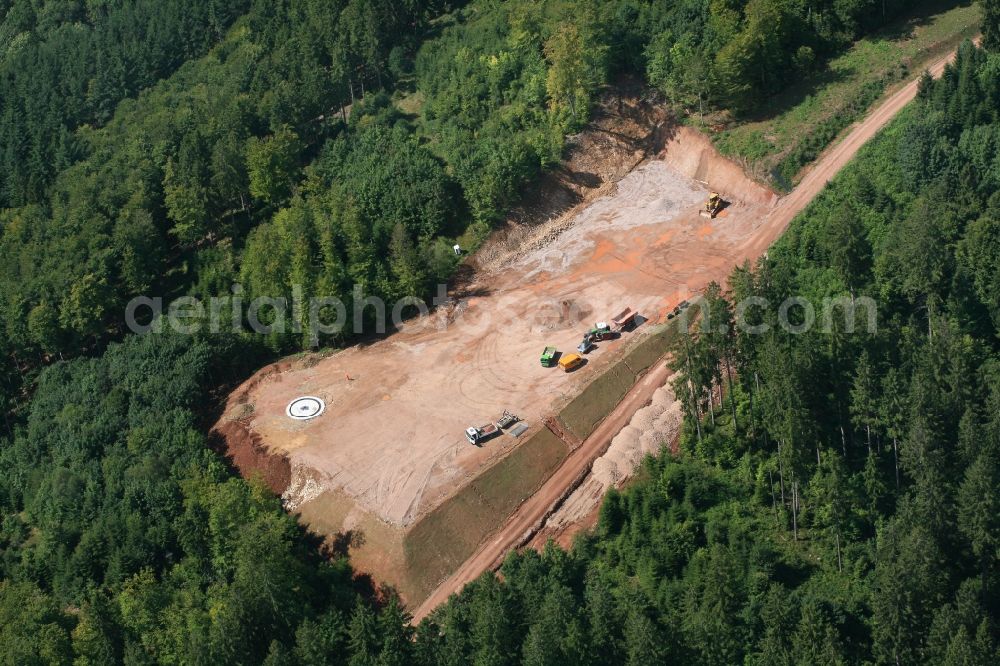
(388, 462)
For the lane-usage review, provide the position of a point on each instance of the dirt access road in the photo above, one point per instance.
(531, 514)
(837, 157)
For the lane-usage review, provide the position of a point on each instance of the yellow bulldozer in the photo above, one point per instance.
(712, 206)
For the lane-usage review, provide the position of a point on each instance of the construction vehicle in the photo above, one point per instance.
(548, 359)
(712, 206)
(601, 331)
(623, 320)
(587, 344)
(479, 435)
(507, 420)
(570, 362)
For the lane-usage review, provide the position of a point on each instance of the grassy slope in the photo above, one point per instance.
(801, 122)
(440, 542)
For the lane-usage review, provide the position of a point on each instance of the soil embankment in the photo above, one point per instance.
(691, 153)
(251, 457)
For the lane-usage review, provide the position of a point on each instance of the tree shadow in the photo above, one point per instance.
(584, 178)
(795, 94)
(905, 27)
(339, 545)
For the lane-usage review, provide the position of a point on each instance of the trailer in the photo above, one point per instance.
(479, 435)
(507, 420)
(624, 319)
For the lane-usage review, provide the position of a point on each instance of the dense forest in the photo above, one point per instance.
(68, 64)
(235, 154)
(838, 507)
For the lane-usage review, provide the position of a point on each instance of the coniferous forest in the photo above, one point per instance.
(836, 498)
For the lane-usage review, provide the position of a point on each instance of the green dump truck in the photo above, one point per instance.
(549, 357)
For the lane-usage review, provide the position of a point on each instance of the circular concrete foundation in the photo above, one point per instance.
(305, 407)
